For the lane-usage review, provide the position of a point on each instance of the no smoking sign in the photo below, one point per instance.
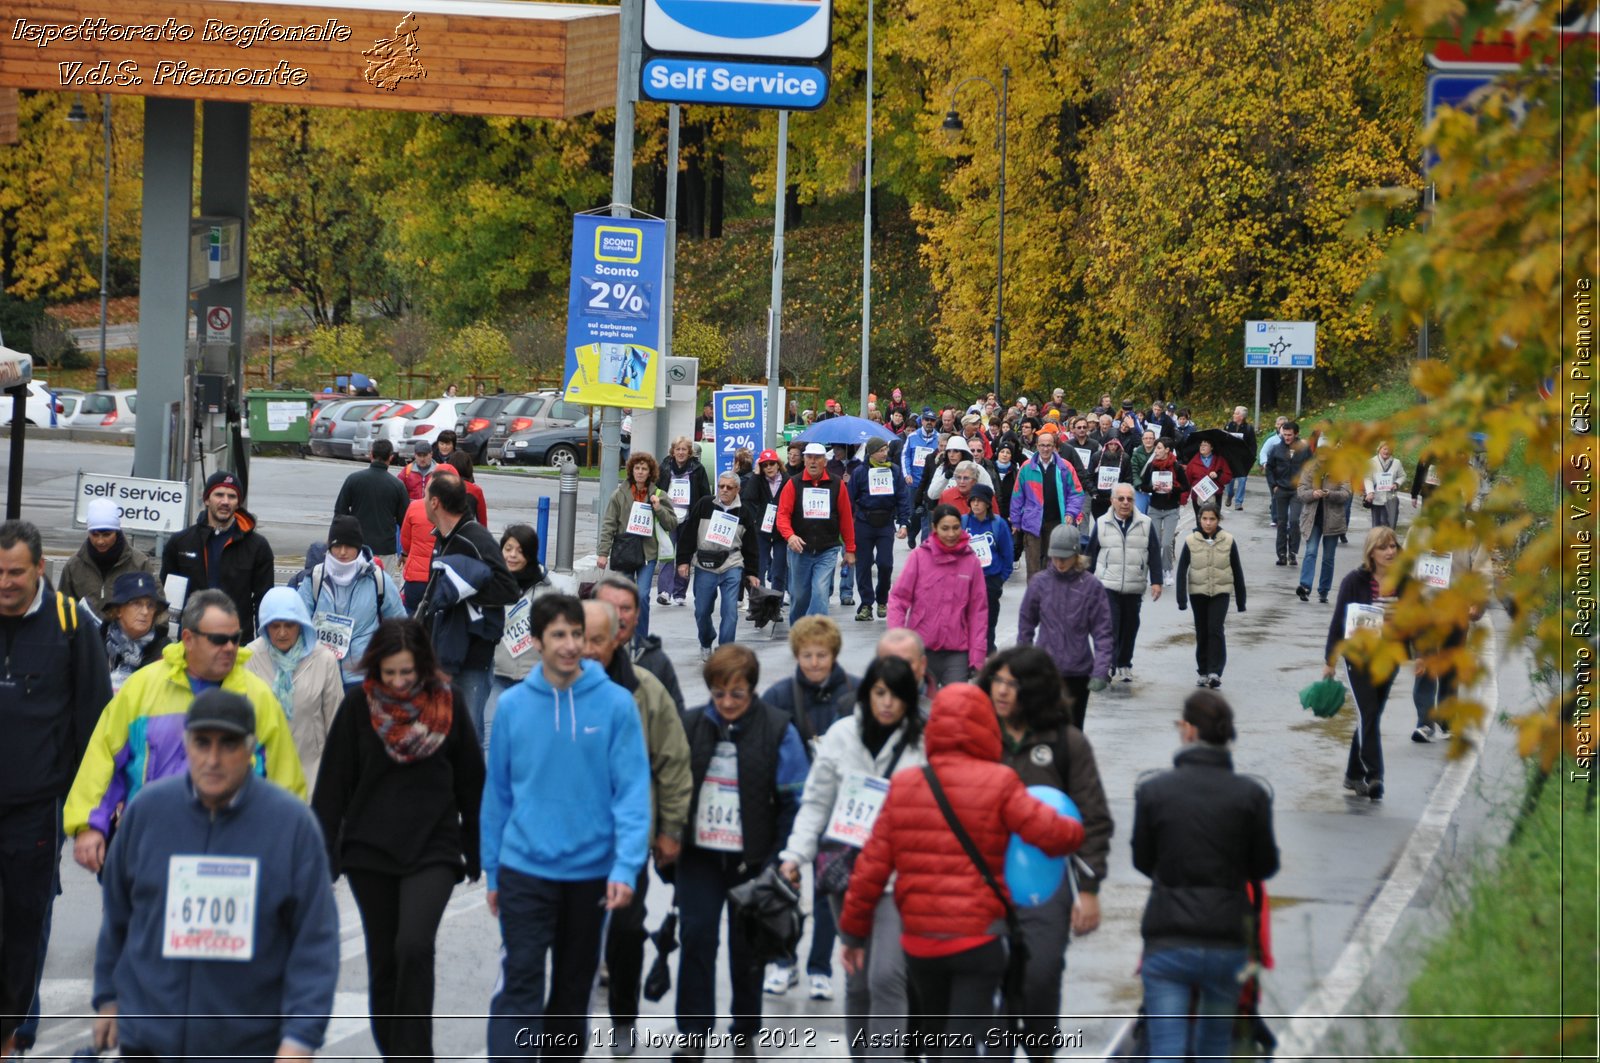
(219, 324)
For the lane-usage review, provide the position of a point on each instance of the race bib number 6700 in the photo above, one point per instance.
(211, 908)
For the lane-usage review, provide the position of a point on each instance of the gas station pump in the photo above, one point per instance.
(211, 417)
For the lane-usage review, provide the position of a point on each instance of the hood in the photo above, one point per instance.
(938, 551)
(564, 703)
(963, 723)
(281, 603)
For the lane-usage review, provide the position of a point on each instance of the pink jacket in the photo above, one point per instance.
(941, 596)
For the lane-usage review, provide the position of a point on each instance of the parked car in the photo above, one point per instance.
(67, 402)
(475, 423)
(335, 427)
(528, 413)
(405, 423)
(556, 446)
(116, 410)
(41, 410)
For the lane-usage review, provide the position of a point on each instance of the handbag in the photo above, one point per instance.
(1014, 986)
(627, 554)
(836, 862)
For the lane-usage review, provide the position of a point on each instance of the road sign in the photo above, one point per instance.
(219, 324)
(724, 83)
(764, 29)
(1280, 344)
(613, 316)
(740, 417)
(1508, 49)
(145, 505)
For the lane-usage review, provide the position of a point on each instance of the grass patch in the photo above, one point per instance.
(1524, 944)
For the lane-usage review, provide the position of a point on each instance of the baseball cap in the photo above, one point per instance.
(345, 531)
(928, 414)
(222, 478)
(815, 450)
(768, 455)
(221, 710)
(104, 515)
(1064, 541)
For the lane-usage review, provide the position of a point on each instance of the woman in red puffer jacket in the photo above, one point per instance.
(954, 923)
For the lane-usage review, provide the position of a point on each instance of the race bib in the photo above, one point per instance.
(641, 520)
(880, 482)
(919, 456)
(1084, 454)
(678, 493)
(1384, 482)
(716, 819)
(1106, 477)
(518, 638)
(983, 546)
(721, 528)
(815, 503)
(1432, 479)
(769, 517)
(211, 908)
(1204, 488)
(856, 808)
(1434, 570)
(336, 632)
(1236, 435)
(1358, 617)
(1161, 481)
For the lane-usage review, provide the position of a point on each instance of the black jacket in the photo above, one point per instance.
(53, 684)
(244, 569)
(1201, 833)
(699, 482)
(1284, 465)
(1062, 757)
(379, 501)
(811, 708)
(650, 656)
(758, 494)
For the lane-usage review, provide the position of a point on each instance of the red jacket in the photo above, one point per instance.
(941, 896)
(416, 542)
(1197, 471)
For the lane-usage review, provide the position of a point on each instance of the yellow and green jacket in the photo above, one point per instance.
(139, 739)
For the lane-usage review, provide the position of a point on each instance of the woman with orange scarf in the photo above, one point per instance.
(397, 796)
(1166, 482)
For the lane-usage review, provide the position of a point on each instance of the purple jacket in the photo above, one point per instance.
(1061, 613)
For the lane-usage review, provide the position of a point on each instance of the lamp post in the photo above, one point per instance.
(77, 116)
(952, 125)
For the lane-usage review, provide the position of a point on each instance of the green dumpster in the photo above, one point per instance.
(279, 416)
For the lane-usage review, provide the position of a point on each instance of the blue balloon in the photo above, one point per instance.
(1033, 877)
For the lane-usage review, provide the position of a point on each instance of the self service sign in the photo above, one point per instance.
(613, 311)
(757, 29)
(792, 87)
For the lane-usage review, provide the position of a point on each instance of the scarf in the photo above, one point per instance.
(640, 494)
(529, 575)
(1002, 467)
(411, 724)
(284, 662)
(106, 561)
(125, 654)
(341, 573)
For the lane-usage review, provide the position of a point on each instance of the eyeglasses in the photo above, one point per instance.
(730, 695)
(216, 638)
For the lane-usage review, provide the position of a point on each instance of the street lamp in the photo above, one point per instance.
(78, 116)
(953, 127)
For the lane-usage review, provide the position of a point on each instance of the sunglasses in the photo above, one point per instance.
(218, 639)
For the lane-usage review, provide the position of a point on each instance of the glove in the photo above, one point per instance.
(1096, 685)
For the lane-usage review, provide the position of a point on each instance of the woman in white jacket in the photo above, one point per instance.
(303, 674)
(844, 791)
(1383, 484)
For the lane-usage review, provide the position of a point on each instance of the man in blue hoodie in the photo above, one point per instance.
(913, 460)
(565, 831)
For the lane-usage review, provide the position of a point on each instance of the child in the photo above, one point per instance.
(1208, 557)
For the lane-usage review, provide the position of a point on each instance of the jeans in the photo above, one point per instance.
(993, 586)
(30, 858)
(1048, 929)
(1141, 502)
(1165, 528)
(875, 998)
(1077, 689)
(947, 666)
(1210, 644)
(813, 575)
(1366, 745)
(544, 919)
(1124, 627)
(847, 584)
(957, 994)
(1283, 514)
(875, 546)
(497, 686)
(1308, 565)
(708, 587)
(644, 577)
(704, 879)
(1233, 494)
(1427, 691)
(400, 918)
(1171, 977)
(772, 560)
(474, 685)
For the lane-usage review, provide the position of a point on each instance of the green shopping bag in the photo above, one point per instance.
(1324, 698)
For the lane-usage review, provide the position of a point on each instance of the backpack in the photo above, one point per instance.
(316, 586)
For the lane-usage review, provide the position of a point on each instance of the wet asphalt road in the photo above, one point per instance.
(1337, 851)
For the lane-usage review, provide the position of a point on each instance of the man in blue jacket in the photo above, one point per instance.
(913, 460)
(565, 832)
(879, 502)
(220, 934)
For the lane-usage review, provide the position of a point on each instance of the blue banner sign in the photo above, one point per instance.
(739, 418)
(613, 311)
(793, 87)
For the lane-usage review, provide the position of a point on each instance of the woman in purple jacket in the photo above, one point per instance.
(1064, 609)
(941, 596)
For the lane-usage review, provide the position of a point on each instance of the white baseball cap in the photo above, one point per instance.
(815, 450)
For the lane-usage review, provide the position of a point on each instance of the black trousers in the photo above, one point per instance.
(625, 938)
(959, 989)
(1210, 641)
(1077, 687)
(545, 921)
(400, 917)
(30, 850)
(1124, 627)
(704, 879)
(1366, 745)
(992, 586)
(1283, 511)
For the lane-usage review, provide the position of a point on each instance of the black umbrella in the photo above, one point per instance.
(1231, 450)
(659, 980)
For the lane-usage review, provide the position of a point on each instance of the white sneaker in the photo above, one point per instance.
(1425, 733)
(705, 653)
(680, 601)
(1127, 675)
(821, 987)
(779, 979)
(1203, 681)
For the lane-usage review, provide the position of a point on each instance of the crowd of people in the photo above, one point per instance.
(423, 705)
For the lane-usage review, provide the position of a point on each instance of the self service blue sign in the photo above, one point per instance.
(793, 87)
(739, 420)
